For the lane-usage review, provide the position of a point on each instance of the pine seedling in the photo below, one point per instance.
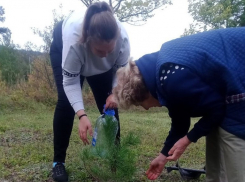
(118, 162)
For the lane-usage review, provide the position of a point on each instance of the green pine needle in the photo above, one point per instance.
(119, 162)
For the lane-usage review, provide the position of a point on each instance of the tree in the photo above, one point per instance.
(13, 66)
(215, 14)
(133, 11)
(2, 12)
(47, 33)
(4, 32)
(41, 69)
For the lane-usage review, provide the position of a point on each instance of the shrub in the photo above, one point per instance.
(40, 85)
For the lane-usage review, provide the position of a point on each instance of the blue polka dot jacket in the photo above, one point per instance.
(201, 75)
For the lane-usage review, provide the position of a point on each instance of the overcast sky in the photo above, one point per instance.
(167, 24)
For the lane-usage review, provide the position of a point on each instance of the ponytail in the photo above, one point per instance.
(99, 23)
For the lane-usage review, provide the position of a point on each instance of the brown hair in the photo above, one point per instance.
(130, 89)
(99, 23)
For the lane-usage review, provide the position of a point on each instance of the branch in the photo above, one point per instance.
(117, 6)
(3, 30)
(85, 3)
(47, 74)
(135, 24)
(143, 12)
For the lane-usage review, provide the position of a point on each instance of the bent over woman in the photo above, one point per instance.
(202, 75)
(91, 46)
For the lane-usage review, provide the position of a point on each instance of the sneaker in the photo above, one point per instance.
(59, 173)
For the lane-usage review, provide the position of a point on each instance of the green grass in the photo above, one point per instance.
(26, 148)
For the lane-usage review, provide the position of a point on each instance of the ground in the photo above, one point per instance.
(26, 144)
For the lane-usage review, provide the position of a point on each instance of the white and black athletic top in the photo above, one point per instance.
(77, 58)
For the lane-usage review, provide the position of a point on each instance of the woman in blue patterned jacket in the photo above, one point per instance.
(201, 75)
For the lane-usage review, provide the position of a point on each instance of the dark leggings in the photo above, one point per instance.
(101, 86)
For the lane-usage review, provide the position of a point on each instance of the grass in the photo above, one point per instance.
(26, 147)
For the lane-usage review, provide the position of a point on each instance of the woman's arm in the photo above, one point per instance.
(71, 80)
(187, 96)
(179, 128)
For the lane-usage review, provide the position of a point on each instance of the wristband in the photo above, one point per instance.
(82, 116)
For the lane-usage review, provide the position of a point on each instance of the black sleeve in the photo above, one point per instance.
(179, 128)
(187, 96)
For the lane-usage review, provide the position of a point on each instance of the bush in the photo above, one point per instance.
(40, 85)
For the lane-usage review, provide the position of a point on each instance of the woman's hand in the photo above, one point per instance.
(84, 126)
(110, 102)
(178, 149)
(156, 167)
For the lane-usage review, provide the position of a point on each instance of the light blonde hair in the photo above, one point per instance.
(130, 89)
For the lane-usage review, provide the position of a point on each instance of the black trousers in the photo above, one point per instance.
(101, 86)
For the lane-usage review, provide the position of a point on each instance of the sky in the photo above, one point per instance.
(167, 24)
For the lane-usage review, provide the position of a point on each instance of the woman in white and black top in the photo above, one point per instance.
(91, 46)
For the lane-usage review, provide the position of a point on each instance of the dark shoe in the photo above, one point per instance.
(59, 173)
